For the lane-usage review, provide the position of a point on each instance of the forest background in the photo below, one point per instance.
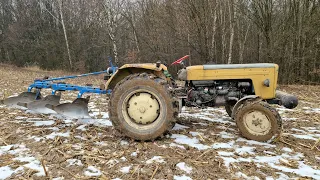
(79, 35)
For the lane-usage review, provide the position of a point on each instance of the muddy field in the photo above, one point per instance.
(205, 145)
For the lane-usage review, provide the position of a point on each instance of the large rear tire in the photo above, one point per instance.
(258, 121)
(142, 108)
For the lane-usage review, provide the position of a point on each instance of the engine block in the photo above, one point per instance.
(216, 93)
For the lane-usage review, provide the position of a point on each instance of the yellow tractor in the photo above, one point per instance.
(146, 100)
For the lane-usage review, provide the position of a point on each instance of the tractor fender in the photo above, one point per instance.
(236, 106)
(128, 69)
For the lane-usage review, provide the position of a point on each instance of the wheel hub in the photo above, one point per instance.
(143, 108)
(257, 123)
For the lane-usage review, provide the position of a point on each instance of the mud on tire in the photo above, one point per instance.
(147, 96)
(258, 121)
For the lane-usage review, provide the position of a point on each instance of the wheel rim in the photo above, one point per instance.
(141, 107)
(257, 123)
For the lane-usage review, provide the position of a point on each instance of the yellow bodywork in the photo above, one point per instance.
(258, 74)
(128, 69)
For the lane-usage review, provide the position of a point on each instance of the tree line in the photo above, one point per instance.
(79, 35)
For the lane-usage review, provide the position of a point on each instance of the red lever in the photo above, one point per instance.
(179, 61)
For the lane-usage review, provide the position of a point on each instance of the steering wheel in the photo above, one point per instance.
(179, 61)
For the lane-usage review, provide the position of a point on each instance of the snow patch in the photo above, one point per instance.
(21, 118)
(299, 136)
(92, 171)
(274, 162)
(122, 143)
(244, 176)
(298, 130)
(125, 170)
(42, 123)
(36, 165)
(23, 155)
(102, 123)
(82, 127)
(201, 124)
(6, 172)
(226, 135)
(223, 145)
(55, 134)
(192, 142)
(224, 153)
(5, 149)
(179, 127)
(37, 139)
(289, 119)
(95, 122)
(74, 162)
(245, 150)
(315, 110)
(282, 110)
(251, 142)
(194, 134)
(286, 149)
(184, 167)
(303, 170)
(176, 145)
(183, 177)
(157, 159)
(58, 178)
(112, 162)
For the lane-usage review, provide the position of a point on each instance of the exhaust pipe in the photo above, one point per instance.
(287, 100)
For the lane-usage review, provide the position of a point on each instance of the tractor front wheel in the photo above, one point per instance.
(141, 107)
(258, 121)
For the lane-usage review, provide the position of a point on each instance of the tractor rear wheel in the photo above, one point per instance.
(258, 121)
(141, 107)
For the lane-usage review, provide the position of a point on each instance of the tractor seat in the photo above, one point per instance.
(237, 66)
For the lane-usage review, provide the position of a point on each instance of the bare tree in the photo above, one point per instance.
(113, 15)
(231, 24)
(65, 33)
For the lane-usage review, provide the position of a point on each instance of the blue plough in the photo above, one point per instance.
(49, 83)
